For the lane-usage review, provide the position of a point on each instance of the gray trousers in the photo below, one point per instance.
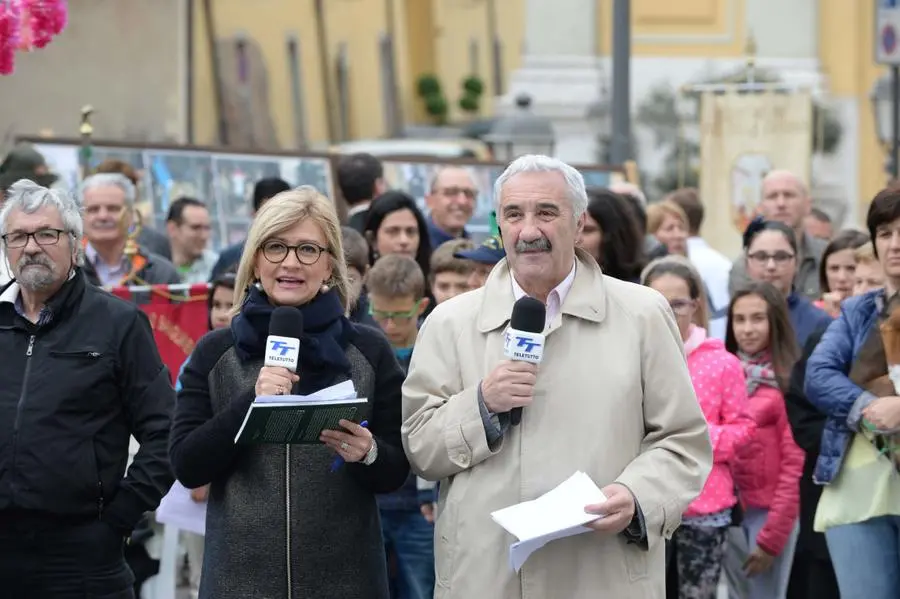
(772, 584)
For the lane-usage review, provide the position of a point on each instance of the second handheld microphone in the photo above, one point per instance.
(524, 338)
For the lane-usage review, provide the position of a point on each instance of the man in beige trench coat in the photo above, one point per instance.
(612, 398)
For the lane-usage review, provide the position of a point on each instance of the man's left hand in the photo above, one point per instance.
(617, 510)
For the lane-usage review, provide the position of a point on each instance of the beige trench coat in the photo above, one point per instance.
(613, 399)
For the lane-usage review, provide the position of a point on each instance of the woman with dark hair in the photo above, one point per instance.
(851, 377)
(837, 269)
(395, 225)
(219, 304)
(611, 235)
(770, 248)
(767, 469)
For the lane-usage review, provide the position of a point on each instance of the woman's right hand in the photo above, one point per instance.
(275, 380)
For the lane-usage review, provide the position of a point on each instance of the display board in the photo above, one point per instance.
(224, 178)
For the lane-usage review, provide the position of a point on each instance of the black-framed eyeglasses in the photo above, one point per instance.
(762, 258)
(19, 239)
(307, 253)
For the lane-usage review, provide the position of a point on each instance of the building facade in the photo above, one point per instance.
(129, 60)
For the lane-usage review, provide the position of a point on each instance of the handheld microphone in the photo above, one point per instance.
(283, 342)
(524, 338)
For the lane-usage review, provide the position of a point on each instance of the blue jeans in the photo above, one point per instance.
(411, 538)
(866, 558)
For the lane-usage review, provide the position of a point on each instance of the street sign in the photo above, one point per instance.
(887, 32)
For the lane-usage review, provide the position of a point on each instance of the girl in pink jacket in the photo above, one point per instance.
(767, 469)
(698, 546)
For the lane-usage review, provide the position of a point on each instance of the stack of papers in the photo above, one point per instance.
(300, 418)
(556, 514)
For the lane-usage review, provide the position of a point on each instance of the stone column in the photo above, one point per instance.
(561, 72)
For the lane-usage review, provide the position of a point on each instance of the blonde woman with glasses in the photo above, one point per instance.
(281, 520)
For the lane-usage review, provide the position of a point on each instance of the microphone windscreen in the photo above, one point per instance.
(286, 322)
(528, 314)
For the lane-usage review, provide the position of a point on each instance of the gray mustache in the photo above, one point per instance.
(538, 245)
(34, 260)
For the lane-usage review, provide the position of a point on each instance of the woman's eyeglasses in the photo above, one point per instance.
(682, 307)
(307, 253)
(762, 258)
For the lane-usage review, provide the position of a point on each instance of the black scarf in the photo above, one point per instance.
(325, 336)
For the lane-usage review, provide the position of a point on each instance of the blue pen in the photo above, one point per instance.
(339, 461)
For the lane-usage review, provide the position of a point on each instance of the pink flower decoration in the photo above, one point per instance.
(42, 13)
(10, 22)
(59, 16)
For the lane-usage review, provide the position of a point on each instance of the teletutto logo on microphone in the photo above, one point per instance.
(523, 345)
(282, 347)
(282, 351)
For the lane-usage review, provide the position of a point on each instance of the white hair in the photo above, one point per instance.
(630, 189)
(29, 197)
(111, 180)
(537, 163)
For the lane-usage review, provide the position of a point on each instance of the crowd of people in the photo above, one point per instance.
(741, 416)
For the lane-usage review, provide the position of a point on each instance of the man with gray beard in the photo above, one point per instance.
(80, 374)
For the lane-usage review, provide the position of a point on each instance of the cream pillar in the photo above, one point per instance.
(561, 73)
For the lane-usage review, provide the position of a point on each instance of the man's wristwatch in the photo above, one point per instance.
(372, 455)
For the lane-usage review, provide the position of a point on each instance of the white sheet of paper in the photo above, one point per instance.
(556, 514)
(340, 392)
(178, 509)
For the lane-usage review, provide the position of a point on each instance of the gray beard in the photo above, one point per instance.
(36, 278)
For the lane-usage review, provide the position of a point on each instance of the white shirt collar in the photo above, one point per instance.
(357, 208)
(11, 293)
(697, 242)
(555, 299)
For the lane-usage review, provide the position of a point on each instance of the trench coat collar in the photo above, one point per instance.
(586, 299)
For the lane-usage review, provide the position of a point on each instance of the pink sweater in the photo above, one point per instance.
(721, 389)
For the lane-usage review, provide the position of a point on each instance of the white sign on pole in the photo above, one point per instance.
(887, 32)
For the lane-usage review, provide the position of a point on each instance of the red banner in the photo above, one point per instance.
(179, 318)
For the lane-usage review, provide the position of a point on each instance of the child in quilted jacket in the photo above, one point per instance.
(767, 469)
(697, 548)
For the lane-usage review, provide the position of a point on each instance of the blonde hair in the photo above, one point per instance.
(657, 213)
(279, 214)
(864, 254)
(681, 267)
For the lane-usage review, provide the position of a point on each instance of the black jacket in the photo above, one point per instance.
(72, 392)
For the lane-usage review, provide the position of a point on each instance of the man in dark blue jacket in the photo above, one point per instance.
(80, 375)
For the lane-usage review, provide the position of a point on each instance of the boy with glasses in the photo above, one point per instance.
(397, 299)
(396, 288)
